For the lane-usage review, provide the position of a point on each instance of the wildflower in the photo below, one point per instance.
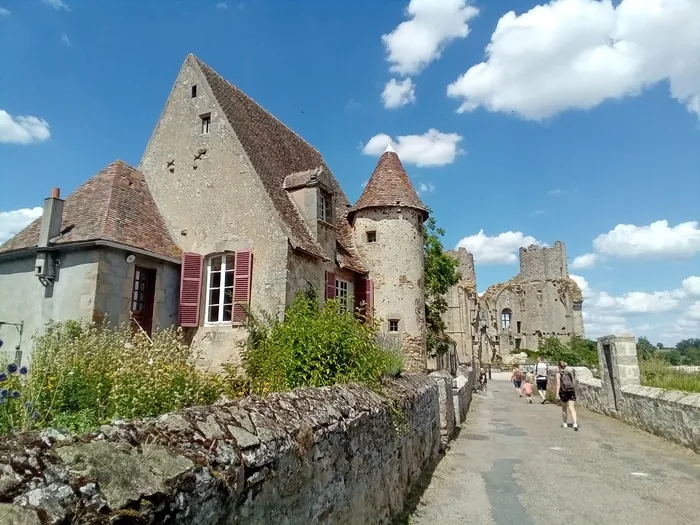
(15, 394)
(23, 370)
(1, 343)
(34, 416)
(3, 393)
(11, 368)
(3, 376)
(28, 406)
(3, 400)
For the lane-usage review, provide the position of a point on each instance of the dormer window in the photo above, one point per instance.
(325, 206)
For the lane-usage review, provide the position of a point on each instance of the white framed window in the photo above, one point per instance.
(206, 123)
(325, 205)
(342, 293)
(219, 299)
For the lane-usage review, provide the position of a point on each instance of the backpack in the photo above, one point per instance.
(567, 381)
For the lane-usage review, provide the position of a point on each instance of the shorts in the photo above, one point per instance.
(541, 383)
(567, 396)
(517, 382)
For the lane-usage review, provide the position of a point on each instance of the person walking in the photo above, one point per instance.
(517, 379)
(566, 387)
(527, 387)
(541, 378)
(483, 379)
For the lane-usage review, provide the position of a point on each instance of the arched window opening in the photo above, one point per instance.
(506, 315)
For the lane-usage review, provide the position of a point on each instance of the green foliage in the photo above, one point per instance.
(655, 372)
(686, 352)
(645, 350)
(82, 376)
(578, 352)
(440, 275)
(314, 346)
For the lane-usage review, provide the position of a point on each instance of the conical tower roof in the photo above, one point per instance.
(389, 185)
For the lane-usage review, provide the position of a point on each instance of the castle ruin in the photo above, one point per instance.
(541, 301)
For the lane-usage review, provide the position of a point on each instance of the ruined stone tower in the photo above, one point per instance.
(388, 227)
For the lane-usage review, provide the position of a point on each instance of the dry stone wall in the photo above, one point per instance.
(670, 414)
(331, 455)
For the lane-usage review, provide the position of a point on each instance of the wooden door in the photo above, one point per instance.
(142, 298)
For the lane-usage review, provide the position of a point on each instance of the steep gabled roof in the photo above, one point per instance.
(276, 152)
(115, 205)
(389, 185)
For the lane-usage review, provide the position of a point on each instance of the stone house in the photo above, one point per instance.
(541, 301)
(229, 207)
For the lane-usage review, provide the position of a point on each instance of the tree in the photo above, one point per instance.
(441, 274)
(660, 346)
(645, 350)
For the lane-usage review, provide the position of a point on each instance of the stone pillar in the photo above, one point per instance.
(619, 367)
(447, 409)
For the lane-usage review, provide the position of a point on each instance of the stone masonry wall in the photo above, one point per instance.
(670, 414)
(329, 455)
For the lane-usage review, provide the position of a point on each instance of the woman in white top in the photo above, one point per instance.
(541, 378)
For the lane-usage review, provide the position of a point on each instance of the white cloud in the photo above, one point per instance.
(501, 249)
(657, 240)
(430, 149)
(4, 12)
(222, 5)
(432, 26)
(56, 4)
(555, 191)
(584, 261)
(672, 314)
(22, 130)
(424, 187)
(65, 40)
(398, 93)
(13, 221)
(588, 51)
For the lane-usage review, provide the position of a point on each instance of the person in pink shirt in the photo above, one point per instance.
(527, 388)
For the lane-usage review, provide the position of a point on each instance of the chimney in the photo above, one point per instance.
(51, 218)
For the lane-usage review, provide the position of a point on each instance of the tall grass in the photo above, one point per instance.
(656, 373)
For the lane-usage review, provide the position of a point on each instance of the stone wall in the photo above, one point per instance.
(670, 414)
(330, 455)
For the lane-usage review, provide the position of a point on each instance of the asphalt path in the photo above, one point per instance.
(513, 463)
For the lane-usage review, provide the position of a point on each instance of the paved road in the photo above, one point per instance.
(513, 464)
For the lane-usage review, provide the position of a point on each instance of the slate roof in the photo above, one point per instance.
(276, 152)
(115, 205)
(389, 185)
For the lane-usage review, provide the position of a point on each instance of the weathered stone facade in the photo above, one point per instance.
(541, 301)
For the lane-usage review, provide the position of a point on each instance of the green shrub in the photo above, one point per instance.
(82, 376)
(656, 372)
(315, 346)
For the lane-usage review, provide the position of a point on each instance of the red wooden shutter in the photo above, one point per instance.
(190, 289)
(330, 285)
(360, 295)
(369, 294)
(242, 280)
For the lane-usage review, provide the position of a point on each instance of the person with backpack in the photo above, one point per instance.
(517, 379)
(566, 387)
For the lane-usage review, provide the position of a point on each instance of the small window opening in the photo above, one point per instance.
(194, 91)
(505, 318)
(372, 236)
(393, 325)
(518, 324)
(206, 123)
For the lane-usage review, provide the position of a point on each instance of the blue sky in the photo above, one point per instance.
(582, 118)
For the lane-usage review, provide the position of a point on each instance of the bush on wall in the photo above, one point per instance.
(315, 345)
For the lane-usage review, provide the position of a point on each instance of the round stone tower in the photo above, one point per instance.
(388, 227)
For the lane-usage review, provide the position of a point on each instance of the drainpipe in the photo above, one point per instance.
(45, 267)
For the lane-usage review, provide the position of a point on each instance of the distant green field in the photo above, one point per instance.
(656, 373)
